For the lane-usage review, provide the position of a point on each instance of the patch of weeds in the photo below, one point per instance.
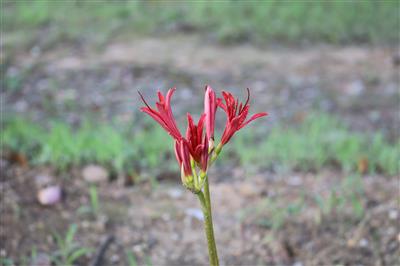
(347, 197)
(271, 213)
(384, 155)
(131, 258)
(28, 260)
(64, 146)
(12, 82)
(132, 261)
(94, 206)
(115, 146)
(94, 199)
(320, 140)
(6, 261)
(68, 251)
(21, 135)
(265, 21)
(148, 261)
(277, 215)
(154, 145)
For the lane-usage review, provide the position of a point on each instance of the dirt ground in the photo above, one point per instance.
(359, 84)
(163, 222)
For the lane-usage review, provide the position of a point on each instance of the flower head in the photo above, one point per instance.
(196, 150)
(236, 115)
(163, 115)
(198, 145)
(210, 107)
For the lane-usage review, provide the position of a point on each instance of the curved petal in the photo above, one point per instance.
(178, 153)
(169, 96)
(254, 117)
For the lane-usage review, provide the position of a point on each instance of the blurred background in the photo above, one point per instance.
(86, 179)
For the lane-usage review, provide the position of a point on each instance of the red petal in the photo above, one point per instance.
(189, 130)
(185, 157)
(254, 117)
(200, 126)
(230, 129)
(177, 153)
(204, 154)
(221, 105)
(160, 97)
(210, 106)
(169, 96)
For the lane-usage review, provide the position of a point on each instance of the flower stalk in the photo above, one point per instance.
(195, 152)
(208, 227)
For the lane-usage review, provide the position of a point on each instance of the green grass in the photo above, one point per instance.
(132, 261)
(345, 199)
(131, 258)
(6, 261)
(347, 196)
(94, 199)
(321, 140)
(335, 21)
(93, 207)
(119, 147)
(68, 251)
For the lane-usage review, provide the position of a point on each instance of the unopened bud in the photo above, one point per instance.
(188, 181)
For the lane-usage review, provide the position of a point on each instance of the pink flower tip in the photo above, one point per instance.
(210, 107)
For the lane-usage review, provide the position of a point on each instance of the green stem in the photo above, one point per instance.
(215, 154)
(208, 225)
(207, 194)
(208, 201)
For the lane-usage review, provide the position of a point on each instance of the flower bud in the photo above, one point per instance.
(183, 157)
(210, 107)
(187, 180)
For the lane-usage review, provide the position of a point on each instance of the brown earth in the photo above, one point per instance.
(164, 223)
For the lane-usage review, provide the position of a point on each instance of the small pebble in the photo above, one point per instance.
(393, 214)
(95, 174)
(35, 51)
(114, 258)
(195, 213)
(166, 217)
(175, 193)
(294, 181)
(85, 224)
(355, 88)
(49, 195)
(363, 243)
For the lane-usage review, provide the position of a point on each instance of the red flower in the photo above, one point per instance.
(163, 115)
(198, 145)
(183, 157)
(236, 115)
(210, 107)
